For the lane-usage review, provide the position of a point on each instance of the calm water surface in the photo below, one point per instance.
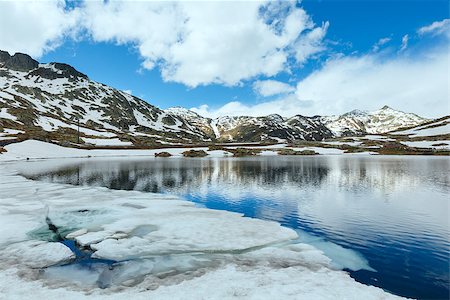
(392, 210)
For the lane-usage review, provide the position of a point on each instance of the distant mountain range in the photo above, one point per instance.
(49, 101)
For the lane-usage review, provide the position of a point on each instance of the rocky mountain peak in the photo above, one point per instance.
(58, 70)
(275, 118)
(4, 56)
(355, 113)
(18, 62)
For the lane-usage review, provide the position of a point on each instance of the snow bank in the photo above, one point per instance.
(7, 131)
(167, 249)
(6, 115)
(339, 143)
(37, 150)
(39, 254)
(423, 131)
(107, 142)
(428, 144)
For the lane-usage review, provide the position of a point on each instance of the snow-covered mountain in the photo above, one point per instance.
(55, 98)
(49, 101)
(437, 129)
(359, 122)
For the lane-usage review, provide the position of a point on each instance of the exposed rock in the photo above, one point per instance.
(4, 56)
(21, 62)
(57, 70)
(241, 152)
(195, 153)
(293, 152)
(163, 154)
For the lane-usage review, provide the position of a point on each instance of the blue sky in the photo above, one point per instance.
(308, 72)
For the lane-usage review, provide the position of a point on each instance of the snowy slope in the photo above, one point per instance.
(435, 128)
(379, 121)
(53, 97)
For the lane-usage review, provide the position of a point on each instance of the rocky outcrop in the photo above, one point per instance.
(20, 62)
(4, 56)
(57, 70)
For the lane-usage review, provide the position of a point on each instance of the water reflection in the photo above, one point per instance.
(393, 210)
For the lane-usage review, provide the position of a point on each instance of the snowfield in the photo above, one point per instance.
(164, 247)
(444, 144)
(33, 149)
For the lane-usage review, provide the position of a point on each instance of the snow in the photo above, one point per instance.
(275, 146)
(167, 247)
(107, 142)
(215, 129)
(6, 115)
(338, 143)
(268, 153)
(37, 150)
(421, 131)
(7, 131)
(376, 138)
(428, 144)
(143, 120)
(378, 121)
(323, 151)
(39, 254)
(33, 149)
(51, 124)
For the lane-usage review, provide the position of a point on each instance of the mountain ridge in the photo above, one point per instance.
(52, 99)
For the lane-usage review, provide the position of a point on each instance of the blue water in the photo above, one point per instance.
(84, 257)
(392, 210)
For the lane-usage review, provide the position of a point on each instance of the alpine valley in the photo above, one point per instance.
(54, 102)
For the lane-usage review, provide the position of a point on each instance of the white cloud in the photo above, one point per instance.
(209, 42)
(435, 28)
(380, 43)
(285, 106)
(194, 43)
(405, 40)
(310, 43)
(34, 27)
(129, 92)
(268, 88)
(415, 84)
(412, 83)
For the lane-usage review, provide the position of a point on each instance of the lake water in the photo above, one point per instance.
(394, 211)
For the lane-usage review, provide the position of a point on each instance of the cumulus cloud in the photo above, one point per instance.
(35, 27)
(223, 42)
(435, 28)
(268, 88)
(412, 83)
(212, 42)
